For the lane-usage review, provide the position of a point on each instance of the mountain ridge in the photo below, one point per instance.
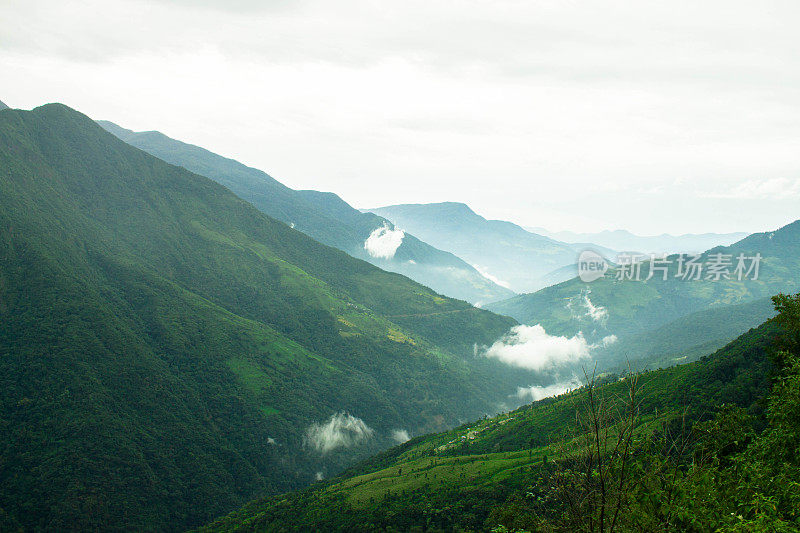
(502, 249)
(324, 216)
(625, 241)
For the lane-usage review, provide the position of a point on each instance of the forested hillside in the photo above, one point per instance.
(706, 446)
(638, 311)
(168, 352)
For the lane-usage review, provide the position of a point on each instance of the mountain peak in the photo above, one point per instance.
(3, 106)
(455, 208)
(450, 209)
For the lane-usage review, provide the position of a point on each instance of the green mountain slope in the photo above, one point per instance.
(689, 337)
(324, 216)
(168, 352)
(501, 249)
(632, 309)
(458, 480)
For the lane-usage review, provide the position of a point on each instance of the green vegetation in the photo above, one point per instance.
(164, 346)
(655, 320)
(706, 446)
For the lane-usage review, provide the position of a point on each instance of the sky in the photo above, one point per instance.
(652, 116)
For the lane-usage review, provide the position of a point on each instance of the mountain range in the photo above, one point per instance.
(327, 218)
(185, 342)
(633, 311)
(501, 250)
(625, 241)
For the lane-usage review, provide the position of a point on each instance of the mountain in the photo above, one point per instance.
(327, 218)
(168, 351)
(3, 106)
(500, 471)
(629, 309)
(501, 250)
(622, 240)
(689, 337)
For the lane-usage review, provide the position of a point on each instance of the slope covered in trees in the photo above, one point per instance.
(705, 445)
(167, 351)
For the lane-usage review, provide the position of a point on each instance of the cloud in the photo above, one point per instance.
(761, 189)
(400, 436)
(342, 430)
(596, 313)
(608, 340)
(491, 278)
(383, 242)
(537, 392)
(531, 347)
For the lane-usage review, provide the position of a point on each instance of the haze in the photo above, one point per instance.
(650, 116)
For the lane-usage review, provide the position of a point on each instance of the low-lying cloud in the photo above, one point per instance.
(596, 313)
(494, 279)
(537, 392)
(383, 242)
(531, 347)
(342, 430)
(608, 340)
(400, 436)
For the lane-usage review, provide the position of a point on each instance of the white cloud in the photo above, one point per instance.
(761, 189)
(483, 272)
(342, 430)
(537, 392)
(531, 347)
(596, 313)
(383, 242)
(608, 340)
(400, 436)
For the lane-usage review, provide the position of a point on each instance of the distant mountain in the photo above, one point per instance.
(621, 240)
(168, 352)
(3, 106)
(632, 311)
(516, 258)
(327, 218)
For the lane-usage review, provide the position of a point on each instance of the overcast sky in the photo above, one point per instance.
(582, 115)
